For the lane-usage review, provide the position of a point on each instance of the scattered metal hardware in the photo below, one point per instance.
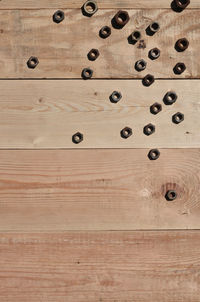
(77, 138)
(154, 154)
(87, 73)
(32, 62)
(181, 4)
(120, 19)
(171, 195)
(140, 65)
(58, 16)
(115, 97)
(178, 118)
(126, 132)
(93, 54)
(135, 36)
(152, 28)
(156, 108)
(105, 32)
(89, 8)
(179, 68)
(170, 98)
(182, 44)
(149, 129)
(148, 80)
(154, 53)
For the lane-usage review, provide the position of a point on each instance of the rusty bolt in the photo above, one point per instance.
(181, 44)
(171, 195)
(178, 118)
(105, 32)
(121, 19)
(90, 8)
(93, 54)
(140, 65)
(155, 108)
(87, 73)
(77, 138)
(154, 154)
(32, 62)
(170, 98)
(181, 4)
(148, 80)
(154, 53)
(179, 68)
(126, 132)
(115, 97)
(149, 129)
(58, 16)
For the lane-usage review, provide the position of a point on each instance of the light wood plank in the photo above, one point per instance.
(105, 266)
(50, 190)
(45, 114)
(62, 48)
(30, 4)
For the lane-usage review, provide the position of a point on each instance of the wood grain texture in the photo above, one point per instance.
(48, 190)
(30, 4)
(104, 266)
(45, 114)
(62, 48)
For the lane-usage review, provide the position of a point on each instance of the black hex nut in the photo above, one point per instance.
(135, 36)
(115, 97)
(87, 73)
(178, 117)
(120, 19)
(149, 129)
(77, 138)
(181, 4)
(148, 80)
(105, 32)
(154, 53)
(182, 44)
(154, 154)
(140, 65)
(152, 28)
(89, 8)
(171, 195)
(156, 108)
(179, 68)
(32, 62)
(93, 54)
(170, 98)
(58, 16)
(126, 132)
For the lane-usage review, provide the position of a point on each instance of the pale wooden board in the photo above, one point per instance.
(104, 266)
(30, 4)
(45, 114)
(48, 190)
(62, 48)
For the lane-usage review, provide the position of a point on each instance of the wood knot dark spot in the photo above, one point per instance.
(78, 262)
(141, 44)
(95, 93)
(1, 31)
(40, 100)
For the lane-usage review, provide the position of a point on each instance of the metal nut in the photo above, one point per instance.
(155, 108)
(32, 62)
(181, 44)
(154, 27)
(121, 19)
(182, 4)
(77, 138)
(90, 8)
(148, 80)
(154, 53)
(154, 154)
(105, 32)
(115, 97)
(140, 65)
(170, 98)
(126, 132)
(171, 195)
(135, 36)
(178, 117)
(87, 73)
(93, 54)
(149, 129)
(179, 68)
(58, 16)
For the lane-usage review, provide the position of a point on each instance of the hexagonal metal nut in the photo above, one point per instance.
(58, 16)
(32, 62)
(126, 132)
(156, 108)
(149, 129)
(115, 97)
(77, 138)
(93, 54)
(178, 117)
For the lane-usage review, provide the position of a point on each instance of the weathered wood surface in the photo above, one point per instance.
(112, 266)
(30, 4)
(49, 190)
(62, 48)
(45, 114)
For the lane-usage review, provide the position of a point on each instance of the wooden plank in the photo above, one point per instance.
(62, 48)
(104, 266)
(48, 190)
(45, 114)
(37, 4)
